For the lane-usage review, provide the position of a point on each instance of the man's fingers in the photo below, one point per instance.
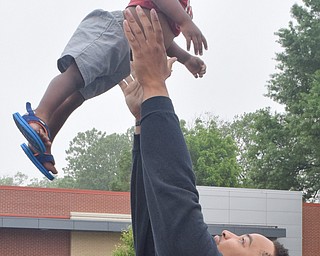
(156, 27)
(128, 79)
(138, 35)
(123, 85)
(129, 35)
(133, 32)
(133, 72)
(170, 62)
(128, 85)
(146, 24)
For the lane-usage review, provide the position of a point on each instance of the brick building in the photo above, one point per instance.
(64, 222)
(311, 229)
(61, 222)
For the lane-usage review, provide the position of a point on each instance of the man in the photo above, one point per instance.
(166, 214)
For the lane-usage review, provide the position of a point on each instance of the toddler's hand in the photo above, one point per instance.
(193, 34)
(196, 66)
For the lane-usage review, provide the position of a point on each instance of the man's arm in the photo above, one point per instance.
(151, 79)
(171, 196)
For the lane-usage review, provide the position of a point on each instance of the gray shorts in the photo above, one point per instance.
(100, 50)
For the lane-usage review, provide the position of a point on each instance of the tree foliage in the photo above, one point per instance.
(269, 156)
(213, 153)
(297, 86)
(94, 159)
(17, 180)
(281, 151)
(300, 58)
(64, 182)
(126, 247)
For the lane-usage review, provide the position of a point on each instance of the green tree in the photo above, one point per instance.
(296, 85)
(64, 182)
(122, 178)
(213, 153)
(94, 159)
(268, 155)
(126, 247)
(17, 180)
(300, 59)
(121, 181)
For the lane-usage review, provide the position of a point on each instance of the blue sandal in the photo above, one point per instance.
(38, 160)
(28, 132)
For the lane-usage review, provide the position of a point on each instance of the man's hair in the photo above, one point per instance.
(279, 249)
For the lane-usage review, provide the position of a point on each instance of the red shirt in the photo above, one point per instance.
(149, 4)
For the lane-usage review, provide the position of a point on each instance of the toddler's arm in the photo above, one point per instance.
(174, 10)
(194, 64)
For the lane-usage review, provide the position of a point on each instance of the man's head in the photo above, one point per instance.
(230, 244)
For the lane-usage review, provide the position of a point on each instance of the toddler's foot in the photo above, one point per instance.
(49, 165)
(32, 136)
(38, 136)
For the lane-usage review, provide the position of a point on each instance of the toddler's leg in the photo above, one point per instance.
(62, 113)
(58, 119)
(59, 101)
(59, 90)
(61, 98)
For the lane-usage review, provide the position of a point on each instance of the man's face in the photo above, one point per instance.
(230, 244)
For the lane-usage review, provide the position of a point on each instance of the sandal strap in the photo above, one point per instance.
(32, 118)
(44, 158)
(29, 109)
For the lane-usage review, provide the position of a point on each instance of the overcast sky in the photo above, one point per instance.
(240, 60)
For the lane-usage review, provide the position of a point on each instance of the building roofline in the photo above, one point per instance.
(63, 224)
(311, 204)
(64, 190)
(118, 226)
(272, 232)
